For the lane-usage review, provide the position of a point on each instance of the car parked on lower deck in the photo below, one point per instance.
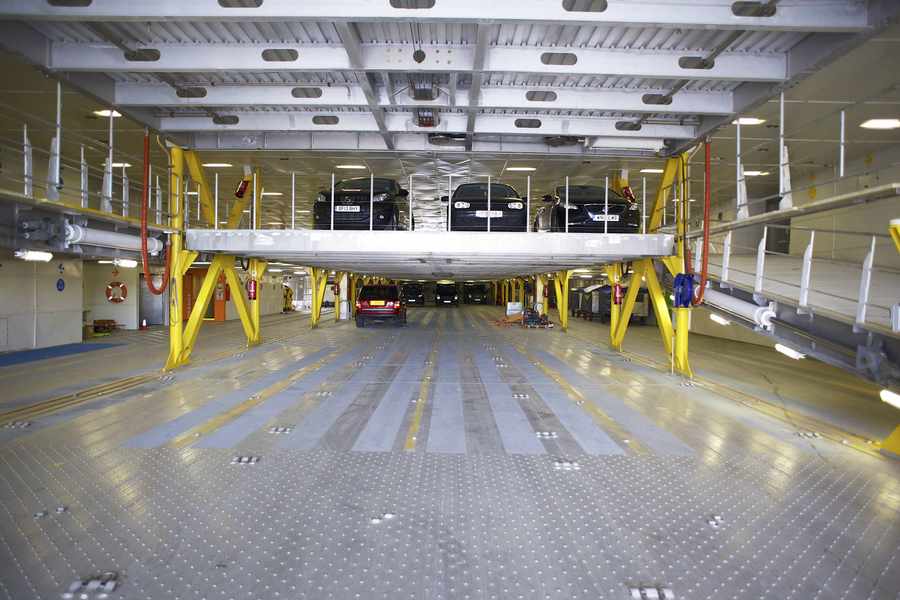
(446, 293)
(590, 210)
(380, 303)
(468, 208)
(475, 293)
(353, 199)
(413, 293)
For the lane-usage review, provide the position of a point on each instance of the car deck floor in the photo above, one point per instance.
(452, 458)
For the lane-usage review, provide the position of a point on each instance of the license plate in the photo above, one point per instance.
(483, 214)
(376, 303)
(606, 217)
(347, 208)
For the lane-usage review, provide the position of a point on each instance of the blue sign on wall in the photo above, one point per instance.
(60, 284)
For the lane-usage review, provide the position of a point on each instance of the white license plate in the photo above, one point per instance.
(483, 214)
(606, 217)
(346, 208)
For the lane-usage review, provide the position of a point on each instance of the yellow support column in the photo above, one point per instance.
(891, 445)
(682, 325)
(319, 279)
(240, 303)
(561, 286)
(257, 270)
(895, 232)
(198, 311)
(338, 277)
(181, 259)
(613, 276)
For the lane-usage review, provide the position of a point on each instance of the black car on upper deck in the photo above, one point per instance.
(590, 210)
(352, 200)
(469, 208)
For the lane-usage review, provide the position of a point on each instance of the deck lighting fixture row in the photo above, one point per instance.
(215, 165)
(652, 171)
(105, 112)
(748, 121)
(34, 255)
(524, 169)
(892, 398)
(881, 124)
(719, 319)
(352, 167)
(789, 352)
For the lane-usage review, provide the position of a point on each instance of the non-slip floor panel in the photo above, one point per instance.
(447, 459)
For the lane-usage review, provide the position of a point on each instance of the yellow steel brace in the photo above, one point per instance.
(561, 286)
(342, 293)
(257, 270)
(240, 204)
(197, 174)
(319, 279)
(895, 232)
(613, 276)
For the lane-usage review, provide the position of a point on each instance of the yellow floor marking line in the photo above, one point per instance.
(413, 432)
(192, 435)
(46, 407)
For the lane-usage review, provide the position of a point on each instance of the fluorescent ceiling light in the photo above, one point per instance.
(892, 398)
(304, 212)
(586, 276)
(105, 112)
(121, 165)
(790, 352)
(217, 165)
(34, 255)
(272, 194)
(654, 171)
(351, 167)
(756, 173)
(748, 121)
(521, 169)
(104, 262)
(192, 193)
(275, 270)
(719, 319)
(881, 124)
(125, 262)
(274, 223)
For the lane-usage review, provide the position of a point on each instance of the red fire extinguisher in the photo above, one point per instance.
(241, 188)
(617, 294)
(251, 289)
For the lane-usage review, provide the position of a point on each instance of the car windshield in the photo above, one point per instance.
(379, 292)
(478, 191)
(588, 193)
(363, 184)
(446, 288)
(476, 288)
(412, 289)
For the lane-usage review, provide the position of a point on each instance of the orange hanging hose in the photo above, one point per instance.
(704, 272)
(145, 199)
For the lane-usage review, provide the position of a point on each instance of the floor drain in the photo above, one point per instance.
(520, 396)
(17, 425)
(281, 429)
(566, 465)
(651, 593)
(549, 435)
(95, 586)
(809, 434)
(245, 460)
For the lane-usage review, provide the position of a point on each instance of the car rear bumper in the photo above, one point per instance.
(375, 313)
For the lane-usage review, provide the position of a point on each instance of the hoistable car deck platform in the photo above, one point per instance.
(433, 254)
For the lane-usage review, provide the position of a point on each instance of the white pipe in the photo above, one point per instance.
(760, 315)
(76, 234)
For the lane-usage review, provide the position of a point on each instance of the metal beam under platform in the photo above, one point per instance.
(431, 254)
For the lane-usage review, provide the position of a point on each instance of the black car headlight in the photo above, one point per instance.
(461, 205)
(321, 198)
(379, 197)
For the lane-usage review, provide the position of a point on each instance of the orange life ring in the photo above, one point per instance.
(116, 292)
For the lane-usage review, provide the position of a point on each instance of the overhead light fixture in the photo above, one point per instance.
(352, 167)
(652, 171)
(272, 194)
(748, 121)
(586, 276)
(892, 398)
(719, 319)
(126, 263)
(755, 173)
(521, 169)
(34, 255)
(192, 193)
(790, 352)
(275, 270)
(304, 212)
(105, 112)
(217, 165)
(881, 124)
(274, 223)
(121, 165)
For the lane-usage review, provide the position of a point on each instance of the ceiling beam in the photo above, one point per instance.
(355, 57)
(505, 97)
(481, 46)
(797, 15)
(216, 58)
(450, 123)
